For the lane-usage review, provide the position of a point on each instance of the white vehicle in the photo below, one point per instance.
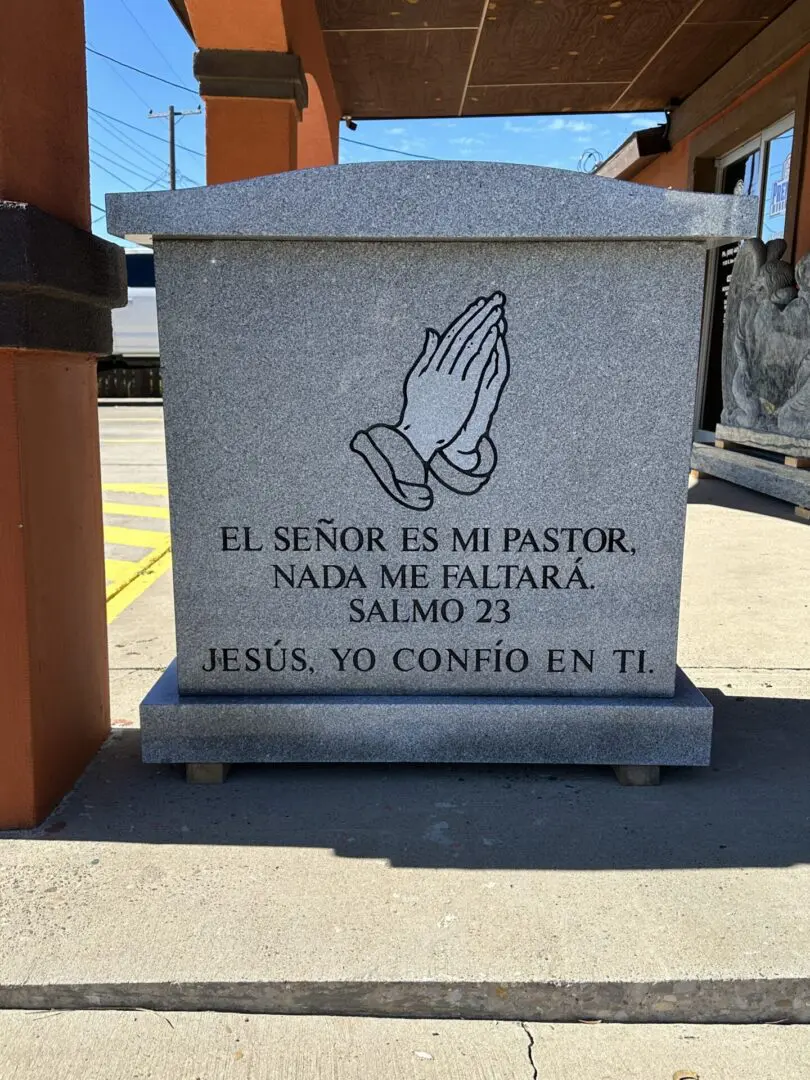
(135, 331)
(133, 370)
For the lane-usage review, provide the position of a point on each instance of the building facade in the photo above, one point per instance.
(743, 131)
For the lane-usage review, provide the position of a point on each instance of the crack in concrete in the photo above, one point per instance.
(530, 1048)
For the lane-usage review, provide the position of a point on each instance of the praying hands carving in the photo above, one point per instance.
(450, 397)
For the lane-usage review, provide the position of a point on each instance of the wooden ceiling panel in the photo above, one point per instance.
(563, 41)
(403, 58)
(757, 11)
(526, 100)
(400, 74)
(398, 14)
(687, 60)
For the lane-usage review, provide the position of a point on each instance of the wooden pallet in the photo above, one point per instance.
(801, 512)
(787, 459)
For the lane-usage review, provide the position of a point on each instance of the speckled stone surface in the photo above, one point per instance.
(431, 200)
(768, 477)
(454, 467)
(591, 731)
(275, 355)
(765, 440)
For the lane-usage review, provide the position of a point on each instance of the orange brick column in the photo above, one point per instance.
(264, 75)
(253, 103)
(57, 284)
(246, 137)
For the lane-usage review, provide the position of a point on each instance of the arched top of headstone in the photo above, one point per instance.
(441, 200)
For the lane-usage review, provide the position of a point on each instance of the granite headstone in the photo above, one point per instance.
(428, 432)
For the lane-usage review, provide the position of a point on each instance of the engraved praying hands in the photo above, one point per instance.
(450, 397)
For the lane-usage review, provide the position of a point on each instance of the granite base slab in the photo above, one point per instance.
(769, 478)
(791, 445)
(441, 729)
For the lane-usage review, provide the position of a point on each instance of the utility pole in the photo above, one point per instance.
(173, 115)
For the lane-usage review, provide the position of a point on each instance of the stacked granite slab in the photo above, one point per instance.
(757, 473)
(428, 431)
(763, 441)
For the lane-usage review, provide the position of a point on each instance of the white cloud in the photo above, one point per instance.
(414, 145)
(521, 129)
(395, 131)
(466, 140)
(638, 121)
(559, 123)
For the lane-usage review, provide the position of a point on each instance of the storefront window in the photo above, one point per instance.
(741, 177)
(775, 194)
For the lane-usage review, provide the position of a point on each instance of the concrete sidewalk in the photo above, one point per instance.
(502, 893)
(185, 1046)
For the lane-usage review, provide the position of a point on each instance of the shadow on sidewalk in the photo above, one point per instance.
(751, 808)
(712, 492)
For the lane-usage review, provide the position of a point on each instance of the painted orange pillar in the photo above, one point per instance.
(246, 137)
(54, 698)
(318, 134)
(262, 115)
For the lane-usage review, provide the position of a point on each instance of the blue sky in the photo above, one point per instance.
(147, 34)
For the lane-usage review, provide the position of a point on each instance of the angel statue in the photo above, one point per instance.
(760, 288)
(793, 417)
(450, 396)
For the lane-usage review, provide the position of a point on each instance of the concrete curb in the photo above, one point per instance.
(732, 1001)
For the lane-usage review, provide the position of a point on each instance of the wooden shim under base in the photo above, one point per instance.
(638, 775)
(206, 772)
(741, 448)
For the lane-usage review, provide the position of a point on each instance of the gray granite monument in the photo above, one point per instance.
(428, 432)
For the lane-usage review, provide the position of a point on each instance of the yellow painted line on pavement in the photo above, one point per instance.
(129, 579)
(153, 567)
(137, 489)
(145, 538)
(116, 570)
(136, 510)
(136, 569)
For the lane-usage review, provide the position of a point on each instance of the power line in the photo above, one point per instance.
(140, 71)
(123, 80)
(126, 140)
(143, 131)
(148, 36)
(142, 157)
(190, 179)
(97, 207)
(172, 116)
(115, 176)
(388, 149)
(135, 170)
(130, 143)
(157, 179)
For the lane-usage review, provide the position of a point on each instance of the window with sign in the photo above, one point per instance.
(778, 152)
(760, 167)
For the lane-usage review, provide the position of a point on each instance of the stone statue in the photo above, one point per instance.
(766, 342)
